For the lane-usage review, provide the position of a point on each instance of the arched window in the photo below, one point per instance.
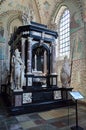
(63, 24)
(64, 34)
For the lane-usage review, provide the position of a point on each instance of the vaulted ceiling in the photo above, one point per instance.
(44, 10)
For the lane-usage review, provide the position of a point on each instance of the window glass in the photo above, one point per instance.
(64, 34)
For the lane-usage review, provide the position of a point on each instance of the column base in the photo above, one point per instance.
(53, 74)
(29, 79)
(18, 90)
(76, 128)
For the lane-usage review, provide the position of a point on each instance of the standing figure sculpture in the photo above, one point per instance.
(65, 73)
(17, 70)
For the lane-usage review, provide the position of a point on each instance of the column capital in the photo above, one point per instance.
(23, 40)
(29, 38)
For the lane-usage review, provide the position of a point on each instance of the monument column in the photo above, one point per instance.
(29, 63)
(35, 63)
(53, 57)
(45, 62)
(29, 56)
(23, 49)
(53, 77)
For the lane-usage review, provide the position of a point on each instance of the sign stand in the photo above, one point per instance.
(76, 96)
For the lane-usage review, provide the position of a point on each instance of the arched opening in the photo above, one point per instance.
(63, 22)
(40, 59)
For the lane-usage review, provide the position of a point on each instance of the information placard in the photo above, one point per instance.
(76, 95)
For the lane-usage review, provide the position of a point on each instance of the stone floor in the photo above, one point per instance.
(56, 119)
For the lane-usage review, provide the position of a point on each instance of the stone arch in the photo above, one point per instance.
(14, 16)
(44, 48)
(10, 16)
(73, 6)
(44, 45)
(60, 13)
(76, 21)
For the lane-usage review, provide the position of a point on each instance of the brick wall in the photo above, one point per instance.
(78, 78)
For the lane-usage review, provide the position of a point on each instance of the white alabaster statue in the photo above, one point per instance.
(27, 16)
(17, 71)
(65, 73)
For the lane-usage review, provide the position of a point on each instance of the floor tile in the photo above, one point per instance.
(34, 116)
(59, 124)
(39, 121)
(22, 118)
(28, 124)
(44, 127)
(13, 126)
(55, 119)
(3, 128)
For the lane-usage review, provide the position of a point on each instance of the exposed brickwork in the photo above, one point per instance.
(78, 79)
